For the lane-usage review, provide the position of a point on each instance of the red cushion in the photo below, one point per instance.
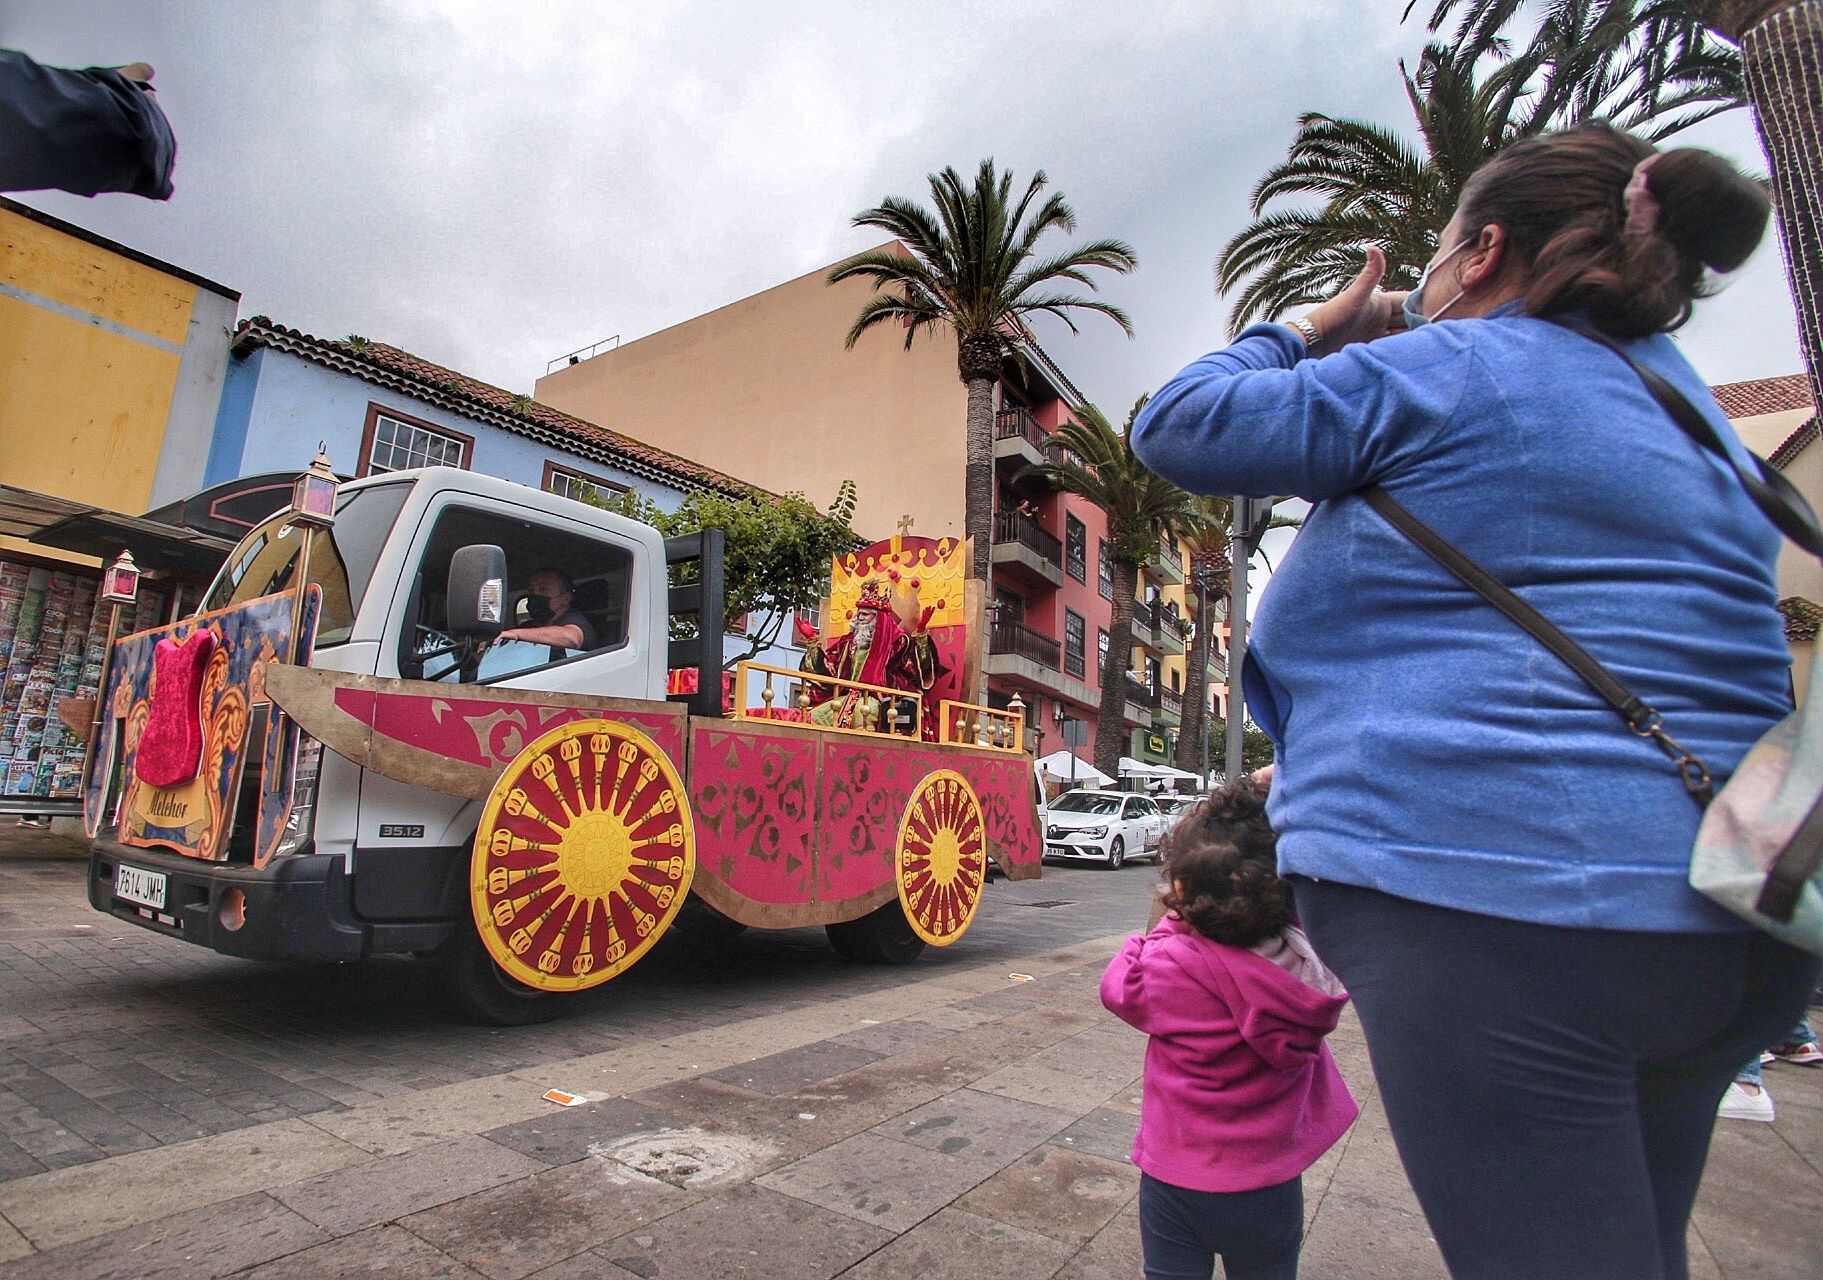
(171, 746)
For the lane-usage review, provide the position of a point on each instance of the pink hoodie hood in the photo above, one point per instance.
(1240, 1090)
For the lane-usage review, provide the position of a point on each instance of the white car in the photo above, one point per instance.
(1104, 826)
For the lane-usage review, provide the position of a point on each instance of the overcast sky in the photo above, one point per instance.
(491, 185)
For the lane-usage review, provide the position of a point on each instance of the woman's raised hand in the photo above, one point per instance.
(1360, 313)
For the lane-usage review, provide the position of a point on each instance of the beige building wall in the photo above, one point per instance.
(765, 389)
(1799, 573)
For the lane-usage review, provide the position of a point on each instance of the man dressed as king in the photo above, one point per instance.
(880, 649)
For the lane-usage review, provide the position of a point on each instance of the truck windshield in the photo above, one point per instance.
(341, 561)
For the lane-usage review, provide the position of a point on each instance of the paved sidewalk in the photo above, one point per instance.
(965, 1118)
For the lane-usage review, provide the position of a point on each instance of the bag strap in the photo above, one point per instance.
(1776, 497)
(1640, 717)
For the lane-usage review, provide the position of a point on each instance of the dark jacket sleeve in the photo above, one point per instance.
(84, 132)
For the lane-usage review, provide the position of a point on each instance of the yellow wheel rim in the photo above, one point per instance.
(583, 858)
(942, 857)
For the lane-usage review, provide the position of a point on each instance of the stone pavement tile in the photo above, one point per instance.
(73, 1204)
(981, 1125)
(1703, 1265)
(749, 1232)
(377, 1251)
(953, 1017)
(584, 1266)
(1125, 1100)
(12, 1244)
(389, 1187)
(1054, 1087)
(1060, 1193)
(398, 1124)
(568, 1134)
(957, 1245)
(876, 1180)
(1360, 1236)
(1103, 1132)
(211, 1241)
(1115, 1252)
(794, 1068)
(887, 1038)
(513, 1230)
(1760, 1208)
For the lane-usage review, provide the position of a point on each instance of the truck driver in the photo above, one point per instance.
(555, 620)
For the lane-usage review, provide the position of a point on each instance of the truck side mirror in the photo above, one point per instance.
(477, 591)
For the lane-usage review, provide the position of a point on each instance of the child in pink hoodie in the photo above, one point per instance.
(1241, 1093)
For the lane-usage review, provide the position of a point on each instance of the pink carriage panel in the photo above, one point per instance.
(753, 796)
(1004, 787)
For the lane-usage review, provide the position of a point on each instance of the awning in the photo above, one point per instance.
(1062, 766)
(95, 531)
(1131, 768)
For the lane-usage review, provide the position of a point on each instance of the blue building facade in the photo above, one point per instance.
(375, 408)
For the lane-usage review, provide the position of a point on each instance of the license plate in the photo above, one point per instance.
(1057, 850)
(147, 888)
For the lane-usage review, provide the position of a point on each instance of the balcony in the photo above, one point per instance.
(1017, 436)
(1142, 618)
(1168, 632)
(1018, 640)
(1168, 566)
(1139, 703)
(1022, 545)
(1167, 708)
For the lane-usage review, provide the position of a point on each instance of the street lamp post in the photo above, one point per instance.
(1205, 578)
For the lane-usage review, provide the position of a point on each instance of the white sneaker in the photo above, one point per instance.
(1738, 1104)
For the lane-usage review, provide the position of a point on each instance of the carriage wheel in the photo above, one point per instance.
(583, 858)
(942, 857)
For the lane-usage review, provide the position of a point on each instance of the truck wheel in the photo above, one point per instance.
(478, 991)
(1117, 854)
(884, 936)
(703, 929)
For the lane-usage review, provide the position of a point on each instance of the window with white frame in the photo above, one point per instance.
(399, 446)
(567, 482)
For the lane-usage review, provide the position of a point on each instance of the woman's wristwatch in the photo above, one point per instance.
(1307, 331)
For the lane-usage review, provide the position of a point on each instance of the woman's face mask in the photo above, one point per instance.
(1413, 306)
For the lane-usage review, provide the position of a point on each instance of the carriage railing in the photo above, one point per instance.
(871, 700)
(970, 724)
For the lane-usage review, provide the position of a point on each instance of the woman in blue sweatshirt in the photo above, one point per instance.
(1493, 866)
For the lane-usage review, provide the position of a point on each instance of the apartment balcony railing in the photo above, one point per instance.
(1016, 423)
(1142, 616)
(1007, 636)
(1011, 526)
(1168, 552)
(1138, 694)
(1169, 701)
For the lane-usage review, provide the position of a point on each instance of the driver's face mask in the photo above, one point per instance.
(1413, 306)
(538, 609)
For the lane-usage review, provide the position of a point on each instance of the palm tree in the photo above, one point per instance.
(1781, 46)
(1647, 67)
(1098, 464)
(973, 267)
(1671, 60)
(1207, 536)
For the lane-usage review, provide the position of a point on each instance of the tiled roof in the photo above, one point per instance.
(389, 366)
(1764, 395)
(1794, 443)
(1802, 618)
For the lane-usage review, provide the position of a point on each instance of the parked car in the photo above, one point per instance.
(1103, 826)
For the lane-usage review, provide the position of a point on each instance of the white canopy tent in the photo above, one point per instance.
(1131, 768)
(1064, 767)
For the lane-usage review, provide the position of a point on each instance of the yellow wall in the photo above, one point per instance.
(764, 389)
(90, 348)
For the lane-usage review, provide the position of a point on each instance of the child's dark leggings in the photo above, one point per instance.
(1552, 1091)
(1257, 1233)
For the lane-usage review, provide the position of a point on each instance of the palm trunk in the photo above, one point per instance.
(1111, 717)
(1196, 683)
(1782, 55)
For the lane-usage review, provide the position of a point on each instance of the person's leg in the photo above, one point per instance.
(1171, 1232)
(1508, 1055)
(1259, 1233)
(1677, 1093)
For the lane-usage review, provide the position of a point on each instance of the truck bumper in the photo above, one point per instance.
(298, 907)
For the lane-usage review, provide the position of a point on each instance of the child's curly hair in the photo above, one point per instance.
(1224, 854)
(1225, 895)
(1236, 814)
